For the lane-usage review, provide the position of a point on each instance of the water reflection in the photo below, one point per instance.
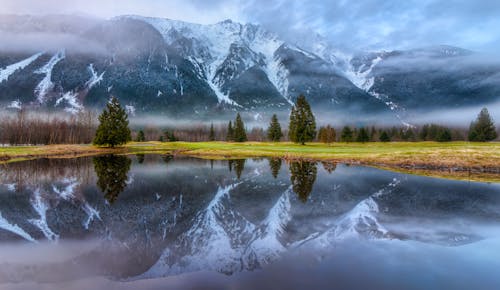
(275, 165)
(303, 176)
(196, 217)
(111, 171)
(238, 165)
(140, 158)
(329, 166)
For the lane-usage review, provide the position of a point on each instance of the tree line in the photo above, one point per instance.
(111, 128)
(24, 128)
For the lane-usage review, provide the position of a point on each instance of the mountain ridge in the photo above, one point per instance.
(164, 66)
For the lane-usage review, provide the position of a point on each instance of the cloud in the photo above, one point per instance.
(363, 24)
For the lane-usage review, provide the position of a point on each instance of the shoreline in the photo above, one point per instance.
(453, 160)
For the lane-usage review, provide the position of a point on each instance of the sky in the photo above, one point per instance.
(360, 24)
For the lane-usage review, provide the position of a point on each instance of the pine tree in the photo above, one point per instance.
(302, 126)
(111, 171)
(444, 135)
(230, 132)
(275, 165)
(113, 126)
(211, 137)
(303, 176)
(362, 135)
(140, 136)
(384, 137)
(483, 129)
(346, 134)
(240, 134)
(274, 133)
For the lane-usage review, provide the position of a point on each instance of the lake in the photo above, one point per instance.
(165, 222)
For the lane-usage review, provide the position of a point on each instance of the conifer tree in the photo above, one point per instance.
(384, 137)
(302, 126)
(303, 176)
(230, 132)
(444, 135)
(483, 129)
(111, 171)
(274, 133)
(275, 165)
(362, 135)
(113, 126)
(240, 134)
(140, 136)
(346, 135)
(211, 136)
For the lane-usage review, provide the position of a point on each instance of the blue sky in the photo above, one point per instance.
(361, 24)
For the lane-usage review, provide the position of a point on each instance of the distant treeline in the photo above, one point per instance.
(326, 134)
(24, 128)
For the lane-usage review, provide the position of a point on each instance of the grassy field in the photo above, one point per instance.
(463, 160)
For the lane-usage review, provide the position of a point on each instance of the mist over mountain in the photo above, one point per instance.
(191, 71)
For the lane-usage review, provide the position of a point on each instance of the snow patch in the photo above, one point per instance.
(95, 78)
(6, 72)
(17, 105)
(92, 214)
(46, 85)
(67, 192)
(41, 208)
(71, 99)
(15, 229)
(130, 110)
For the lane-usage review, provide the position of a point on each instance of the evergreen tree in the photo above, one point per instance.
(169, 136)
(274, 133)
(483, 129)
(384, 137)
(230, 132)
(362, 135)
(161, 138)
(140, 136)
(240, 134)
(113, 126)
(211, 136)
(275, 165)
(346, 134)
(302, 126)
(111, 171)
(303, 176)
(444, 135)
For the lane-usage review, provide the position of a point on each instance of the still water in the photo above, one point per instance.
(159, 222)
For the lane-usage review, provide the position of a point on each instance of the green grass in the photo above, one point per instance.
(464, 159)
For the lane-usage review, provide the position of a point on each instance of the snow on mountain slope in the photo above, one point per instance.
(46, 85)
(225, 46)
(9, 70)
(13, 228)
(41, 206)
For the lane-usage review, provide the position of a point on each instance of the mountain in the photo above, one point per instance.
(186, 70)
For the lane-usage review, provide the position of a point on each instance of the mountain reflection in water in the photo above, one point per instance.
(131, 218)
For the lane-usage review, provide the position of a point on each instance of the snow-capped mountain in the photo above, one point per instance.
(191, 70)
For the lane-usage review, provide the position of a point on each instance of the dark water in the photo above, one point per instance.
(155, 222)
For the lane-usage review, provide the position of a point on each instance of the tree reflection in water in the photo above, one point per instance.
(275, 165)
(140, 158)
(111, 171)
(329, 166)
(303, 176)
(238, 165)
